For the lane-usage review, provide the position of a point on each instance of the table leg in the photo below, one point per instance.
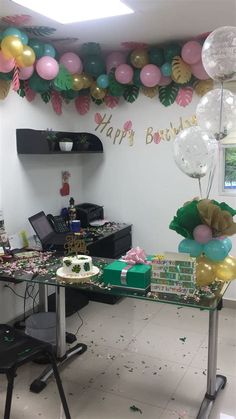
(43, 297)
(62, 354)
(214, 382)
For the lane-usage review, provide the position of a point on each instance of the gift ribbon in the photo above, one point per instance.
(133, 257)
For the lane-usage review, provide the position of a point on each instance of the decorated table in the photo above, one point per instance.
(42, 269)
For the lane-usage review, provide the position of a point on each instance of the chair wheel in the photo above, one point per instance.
(37, 386)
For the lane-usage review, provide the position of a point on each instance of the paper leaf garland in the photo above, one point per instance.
(39, 30)
(131, 93)
(150, 91)
(82, 104)
(168, 94)
(201, 87)
(29, 93)
(181, 72)
(184, 96)
(63, 81)
(56, 102)
(4, 88)
(111, 101)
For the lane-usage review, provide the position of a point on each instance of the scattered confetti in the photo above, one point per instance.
(136, 409)
(183, 339)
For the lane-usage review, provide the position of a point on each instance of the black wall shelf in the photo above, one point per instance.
(30, 141)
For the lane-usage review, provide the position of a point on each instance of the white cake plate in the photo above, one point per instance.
(75, 277)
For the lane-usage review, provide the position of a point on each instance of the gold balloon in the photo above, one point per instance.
(139, 58)
(97, 92)
(87, 80)
(77, 80)
(27, 58)
(205, 271)
(11, 46)
(226, 269)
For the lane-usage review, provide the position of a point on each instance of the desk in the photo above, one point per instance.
(210, 300)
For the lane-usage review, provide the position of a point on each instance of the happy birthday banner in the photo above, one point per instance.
(104, 125)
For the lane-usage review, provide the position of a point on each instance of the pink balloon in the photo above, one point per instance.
(26, 72)
(72, 62)
(191, 52)
(165, 81)
(202, 233)
(114, 60)
(124, 73)
(6, 65)
(150, 75)
(47, 68)
(199, 71)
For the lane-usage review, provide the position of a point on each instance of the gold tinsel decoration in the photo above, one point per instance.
(4, 88)
(201, 87)
(220, 221)
(181, 72)
(150, 91)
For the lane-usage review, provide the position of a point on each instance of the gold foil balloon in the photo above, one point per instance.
(27, 58)
(205, 271)
(139, 58)
(226, 269)
(87, 80)
(97, 92)
(11, 46)
(78, 82)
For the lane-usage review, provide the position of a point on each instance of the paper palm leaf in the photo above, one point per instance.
(29, 93)
(181, 72)
(184, 96)
(201, 87)
(131, 93)
(150, 91)
(4, 88)
(56, 102)
(46, 96)
(63, 81)
(39, 30)
(111, 101)
(168, 94)
(82, 104)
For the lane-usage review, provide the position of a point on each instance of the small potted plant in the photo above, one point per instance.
(83, 142)
(66, 144)
(51, 136)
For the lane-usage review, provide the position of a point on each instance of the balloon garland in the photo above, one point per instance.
(172, 71)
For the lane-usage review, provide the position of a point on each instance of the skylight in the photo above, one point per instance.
(76, 10)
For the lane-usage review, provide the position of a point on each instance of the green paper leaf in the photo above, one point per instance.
(131, 93)
(46, 96)
(168, 94)
(69, 94)
(21, 90)
(186, 219)
(97, 101)
(6, 76)
(115, 88)
(37, 84)
(39, 30)
(63, 81)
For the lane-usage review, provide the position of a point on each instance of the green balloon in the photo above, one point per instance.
(156, 56)
(172, 51)
(37, 84)
(94, 65)
(37, 46)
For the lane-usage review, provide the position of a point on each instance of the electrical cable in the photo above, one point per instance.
(82, 322)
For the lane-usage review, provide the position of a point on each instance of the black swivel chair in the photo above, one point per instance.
(16, 349)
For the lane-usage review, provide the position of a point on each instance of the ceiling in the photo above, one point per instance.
(153, 22)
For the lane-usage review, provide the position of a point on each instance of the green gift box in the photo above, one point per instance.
(136, 277)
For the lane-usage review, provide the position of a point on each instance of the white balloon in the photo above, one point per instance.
(195, 151)
(219, 53)
(210, 111)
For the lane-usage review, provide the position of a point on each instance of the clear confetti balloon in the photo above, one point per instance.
(195, 151)
(216, 117)
(219, 54)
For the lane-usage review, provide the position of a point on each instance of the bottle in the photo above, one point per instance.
(72, 210)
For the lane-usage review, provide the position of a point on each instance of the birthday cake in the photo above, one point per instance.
(77, 268)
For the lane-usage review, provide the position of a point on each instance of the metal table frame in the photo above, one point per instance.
(214, 382)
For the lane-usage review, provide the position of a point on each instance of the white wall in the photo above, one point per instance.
(137, 184)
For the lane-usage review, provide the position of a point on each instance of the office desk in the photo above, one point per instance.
(209, 299)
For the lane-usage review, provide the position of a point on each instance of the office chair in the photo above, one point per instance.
(16, 349)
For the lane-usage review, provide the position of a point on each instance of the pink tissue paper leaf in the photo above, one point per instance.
(56, 102)
(82, 104)
(98, 118)
(184, 96)
(127, 126)
(29, 93)
(111, 101)
(156, 138)
(16, 20)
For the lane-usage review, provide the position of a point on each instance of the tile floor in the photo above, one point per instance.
(143, 354)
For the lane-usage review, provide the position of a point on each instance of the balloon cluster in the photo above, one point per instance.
(206, 225)
(98, 76)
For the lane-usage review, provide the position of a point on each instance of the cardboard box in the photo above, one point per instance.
(137, 277)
